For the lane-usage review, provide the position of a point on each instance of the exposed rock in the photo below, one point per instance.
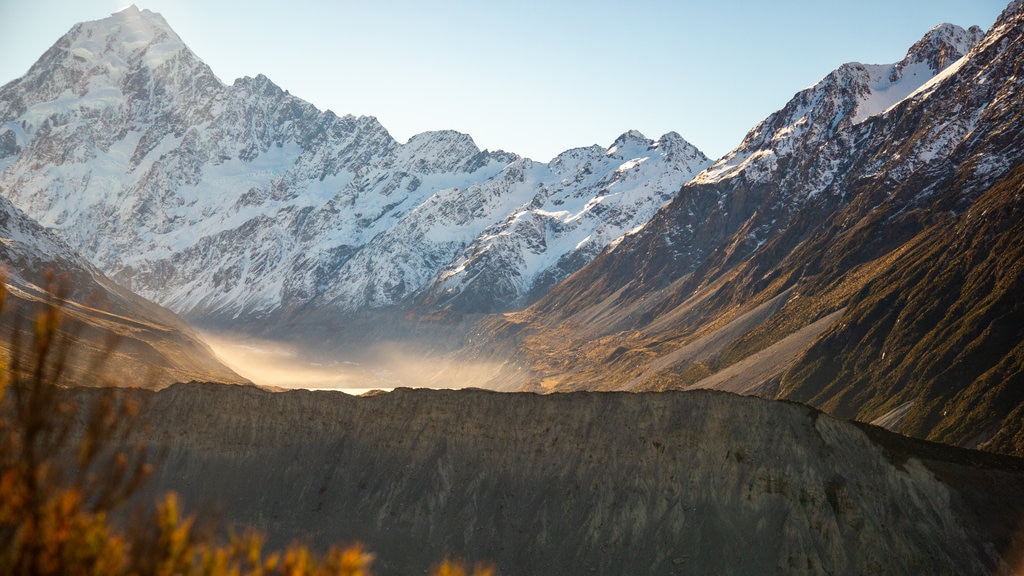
(667, 483)
(242, 203)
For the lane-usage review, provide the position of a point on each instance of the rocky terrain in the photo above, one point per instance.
(859, 251)
(588, 483)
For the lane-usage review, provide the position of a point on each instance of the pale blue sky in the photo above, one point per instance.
(531, 77)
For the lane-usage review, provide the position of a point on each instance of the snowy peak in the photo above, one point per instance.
(123, 40)
(673, 140)
(632, 138)
(99, 62)
(446, 151)
(140, 25)
(940, 47)
(670, 152)
(634, 145)
(850, 94)
(563, 214)
(244, 201)
(887, 85)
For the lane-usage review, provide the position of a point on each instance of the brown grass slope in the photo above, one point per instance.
(941, 325)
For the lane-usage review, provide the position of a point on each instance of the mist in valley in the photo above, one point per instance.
(277, 364)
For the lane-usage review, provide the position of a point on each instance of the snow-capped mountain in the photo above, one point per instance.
(858, 251)
(846, 96)
(243, 202)
(799, 157)
(215, 200)
(522, 230)
(579, 203)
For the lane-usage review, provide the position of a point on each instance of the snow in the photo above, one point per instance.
(885, 93)
(851, 94)
(323, 209)
(927, 87)
(563, 218)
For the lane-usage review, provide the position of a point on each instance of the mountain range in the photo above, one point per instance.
(244, 204)
(859, 250)
(855, 252)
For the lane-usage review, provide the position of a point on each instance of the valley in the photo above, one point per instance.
(643, 265)
(805, 356)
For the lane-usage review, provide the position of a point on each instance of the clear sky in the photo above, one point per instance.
(531, 77)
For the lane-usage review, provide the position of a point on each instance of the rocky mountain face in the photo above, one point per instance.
(242, 203)
(667, 483)
(154, 347)
(583, 201)
(853, 252)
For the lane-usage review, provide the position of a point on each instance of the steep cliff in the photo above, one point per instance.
(589, 483)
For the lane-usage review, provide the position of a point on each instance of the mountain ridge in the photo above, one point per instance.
(140, 343)
(244, 204)
(798, 225)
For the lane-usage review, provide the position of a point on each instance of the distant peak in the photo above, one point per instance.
(107, 43)
(439, 150)
(630, 136)
(442, 134)
(672, 139)
(441, 137)
(627, 139)
(136, 24)
(941, 46)
(133, 11)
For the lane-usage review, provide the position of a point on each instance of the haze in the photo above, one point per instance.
(281, 365)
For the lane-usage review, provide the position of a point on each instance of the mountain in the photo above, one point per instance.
(659, 483)
(154, 347)
(584, 200)
(856, 251)
(243, 205)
